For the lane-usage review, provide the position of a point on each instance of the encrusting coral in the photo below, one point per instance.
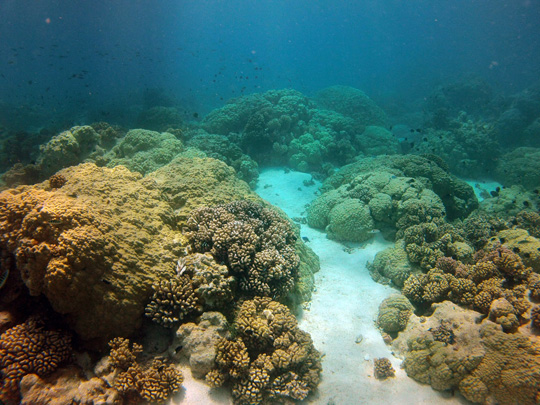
(30, 348)
(486, 364)
(270, 359)
(255, 243)
(155, 382)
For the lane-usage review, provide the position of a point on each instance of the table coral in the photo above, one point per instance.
(254, 242)
(270, 358)
(30, 348)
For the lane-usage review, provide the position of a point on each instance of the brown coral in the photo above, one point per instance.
(270, 358)
(254, 242)
(30, 348)
(383, 368)
(154, 383)
(93, 247)
(173, 301)
(134, 381)
(57, 180)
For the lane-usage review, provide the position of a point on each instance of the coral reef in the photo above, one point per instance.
(392, 265)
(30, 348)
(159, 118)
(65, 149)
(222, 148)
(425, 243)
(285, 127)
(66, 386)
(255, 243)
(191, 182)
(509, 202)
(495, 285)
(352, 103)
(470, 94)
(466, 145)
(457, 196)
(92, 247)
(270, 359)
(518, 124)
(383, 369)
(520, 242)
(200, 284)
(173, 301)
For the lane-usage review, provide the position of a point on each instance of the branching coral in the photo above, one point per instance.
(270, 359)
(153, 383)
(30, 348)
(254, 242)
(495, 285)
(173, 301)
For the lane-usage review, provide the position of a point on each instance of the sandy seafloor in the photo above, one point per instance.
(343, 311)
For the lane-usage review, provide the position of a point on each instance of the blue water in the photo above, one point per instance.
(77, 61)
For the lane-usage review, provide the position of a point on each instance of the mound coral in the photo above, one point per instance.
(285, 127)
(222, 148)
(255, 243)
(353, 103)
(377, 199)
(199, 341)
(65, 149)
(93, 247)
(392, 265)
(484, 363)
(144, 151)
(30, 348)
(383, 368)
(270, 359)
(457, 196)
(394, 312)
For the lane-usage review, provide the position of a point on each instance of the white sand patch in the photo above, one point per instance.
(482, 188)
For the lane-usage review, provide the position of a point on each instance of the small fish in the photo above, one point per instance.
(375, 231)
(195, 115)
(305, 238)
